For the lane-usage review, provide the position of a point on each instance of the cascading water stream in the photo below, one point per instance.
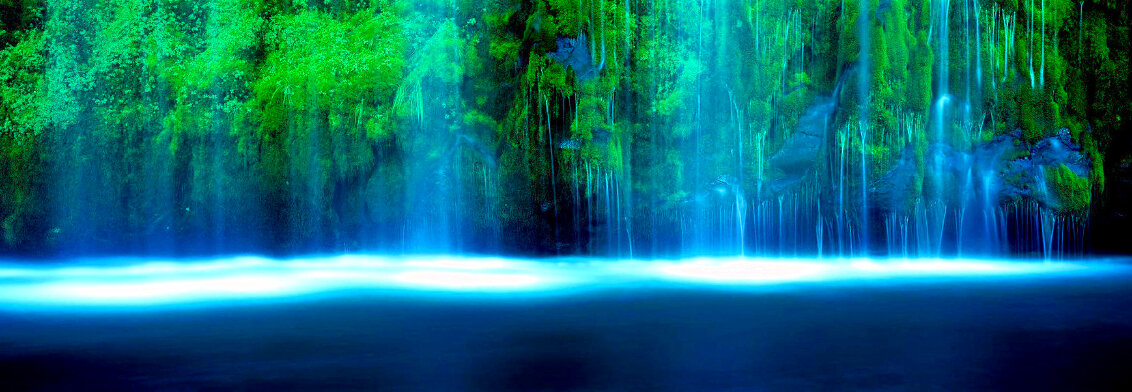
(938, 207)
(713, 149)
(864, 36)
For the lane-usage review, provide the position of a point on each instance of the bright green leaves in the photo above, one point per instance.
(23, 119)
(230, 35)
(503, 45)
(1073, 193)
(563, 17)
(440, 58)
(676, 95)
(209, 64)
(22, 93)
(673, 73)
(65, 73)
(318, 62)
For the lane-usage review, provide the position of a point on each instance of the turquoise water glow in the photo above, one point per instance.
(141, 282)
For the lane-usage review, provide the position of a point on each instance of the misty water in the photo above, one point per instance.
(561, 195)
(488, 323)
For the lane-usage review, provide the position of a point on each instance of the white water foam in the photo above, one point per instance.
(138, 282)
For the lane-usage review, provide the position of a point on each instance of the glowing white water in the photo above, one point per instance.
(123, 283)
(865, 38)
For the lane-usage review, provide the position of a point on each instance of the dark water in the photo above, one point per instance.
(1061, 332)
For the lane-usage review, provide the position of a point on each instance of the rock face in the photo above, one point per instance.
(1061, 149)
(575, 53)
(1001, 170)
(795, 161)
(990, 174)
(723, 191)
(801, 151)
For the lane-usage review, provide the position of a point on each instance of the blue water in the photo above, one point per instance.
(460, 323)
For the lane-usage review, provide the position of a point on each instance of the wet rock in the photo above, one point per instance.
(800, 153)
(1061, 149)
(602, 136)
(894, 189)
(723, 190)
(883, 9)
(570, 144)
(1004, 169)
(795, 161)
(575, 53)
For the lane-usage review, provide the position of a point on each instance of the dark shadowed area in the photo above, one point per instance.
(969, 334)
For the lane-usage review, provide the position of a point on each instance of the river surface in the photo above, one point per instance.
(439, 323)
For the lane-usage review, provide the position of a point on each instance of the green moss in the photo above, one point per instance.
(881, 159)
(1073, 193)
(1096, 156)
(793, 106)
(1016, 154)
(306, 91)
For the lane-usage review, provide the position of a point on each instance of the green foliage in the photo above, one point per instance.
(318, 62)
(324, 103)
(22, 122)
(1073, 193)
(22, 92)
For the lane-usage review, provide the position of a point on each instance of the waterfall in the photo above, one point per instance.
(978, 47)
(961, 214)
(707, 152)
(1030, 31)
(843, 143)
(1049, 221)
(863, 123)
(818, 230)
(553, 176)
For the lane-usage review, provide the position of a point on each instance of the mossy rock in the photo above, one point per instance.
(1072, 192)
